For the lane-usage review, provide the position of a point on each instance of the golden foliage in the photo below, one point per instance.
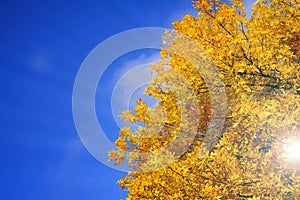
(258, 61)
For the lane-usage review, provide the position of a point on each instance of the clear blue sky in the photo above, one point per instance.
(42, 46)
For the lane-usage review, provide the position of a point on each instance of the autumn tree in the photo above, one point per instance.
(228, 108)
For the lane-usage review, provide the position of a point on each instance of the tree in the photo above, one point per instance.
(257, 60)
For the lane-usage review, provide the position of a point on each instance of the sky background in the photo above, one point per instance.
(43, 44)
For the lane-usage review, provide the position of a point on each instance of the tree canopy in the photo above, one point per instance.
(228, 108)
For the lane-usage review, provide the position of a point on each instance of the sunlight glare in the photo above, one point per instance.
(293, 150)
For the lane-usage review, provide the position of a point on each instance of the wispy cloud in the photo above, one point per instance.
(131, 80)
(39, 62)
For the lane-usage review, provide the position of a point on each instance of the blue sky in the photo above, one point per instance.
(43, 44)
